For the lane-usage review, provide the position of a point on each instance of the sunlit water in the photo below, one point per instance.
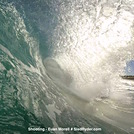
(60, 65)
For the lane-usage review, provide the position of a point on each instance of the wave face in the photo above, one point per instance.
(60, 65)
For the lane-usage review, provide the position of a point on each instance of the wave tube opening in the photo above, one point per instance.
(92, 45)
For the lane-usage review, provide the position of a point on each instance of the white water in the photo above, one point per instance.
(92, 44)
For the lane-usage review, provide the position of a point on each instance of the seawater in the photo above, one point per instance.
(60, 66)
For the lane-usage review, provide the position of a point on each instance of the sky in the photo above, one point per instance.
(130, 68)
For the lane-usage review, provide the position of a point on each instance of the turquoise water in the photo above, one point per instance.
(45, 83)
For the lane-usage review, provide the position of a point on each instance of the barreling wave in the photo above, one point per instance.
(60, 65)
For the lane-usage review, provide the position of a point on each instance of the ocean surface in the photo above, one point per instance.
(60, 66)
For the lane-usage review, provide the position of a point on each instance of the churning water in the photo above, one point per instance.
(61, 62)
